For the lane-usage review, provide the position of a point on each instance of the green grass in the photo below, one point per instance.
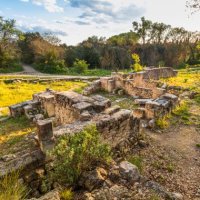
(91, 72)
(182, 111)
(186, 79)
(11, 188)
(124, 101)
(137, 161)
(197, 98)
(14, 68)
(73, 72)
(162, 122)
(12, 134)
(198, 145)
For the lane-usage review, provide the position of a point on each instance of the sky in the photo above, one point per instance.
(75, 20)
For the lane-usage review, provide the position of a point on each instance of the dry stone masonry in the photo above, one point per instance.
(58, 113)
(68, 112)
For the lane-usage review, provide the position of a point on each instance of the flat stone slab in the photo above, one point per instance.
(26, 161)
(163, 102)
(170, 96)
(70, 129)
(112, 110)
(142, 101)
(82, 106)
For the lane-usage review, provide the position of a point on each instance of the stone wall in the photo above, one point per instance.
(68, 113)
(142, 84)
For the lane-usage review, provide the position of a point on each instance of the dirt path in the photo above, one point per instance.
(173, 160)
(29, 70)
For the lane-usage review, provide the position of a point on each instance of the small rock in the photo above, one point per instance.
(52, 195)
(93, 179)
(120, 92)
(85, 116)
(39, 117)
(177, 196)
(8, 157)
(142, 143)
(164, 86)
(129, 171)
(152, 123)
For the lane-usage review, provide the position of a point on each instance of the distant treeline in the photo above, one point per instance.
(157, 44)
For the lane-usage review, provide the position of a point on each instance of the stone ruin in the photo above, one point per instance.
(67, 113)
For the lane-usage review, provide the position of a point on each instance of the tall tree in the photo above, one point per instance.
(9, 35)
(194, 5)
(142, 29)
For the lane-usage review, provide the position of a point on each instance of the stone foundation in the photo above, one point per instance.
(142, 84)
(67, 113)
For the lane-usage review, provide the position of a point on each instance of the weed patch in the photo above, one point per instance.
(11, 188)
(66, 194)
(182, 111)
(137, 161)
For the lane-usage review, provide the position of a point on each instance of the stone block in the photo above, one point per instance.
(170, 97)
(139, 113)
(85, 116)
(82, 106)
(112, 110)
(45, 134)
(17, 110)
(142, 101)
(111, 85)
(129, 172)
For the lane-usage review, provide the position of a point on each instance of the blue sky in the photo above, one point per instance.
(75, 20)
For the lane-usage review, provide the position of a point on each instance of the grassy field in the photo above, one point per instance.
(17, 92)
(186, 79)
(13, 132)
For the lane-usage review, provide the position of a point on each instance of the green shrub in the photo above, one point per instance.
(80, 66)
(75, 154)
(198, 145)
(197, 98)
(11, 188)
(13, 67)
(182, 111)
(162, 122)
(51, 64)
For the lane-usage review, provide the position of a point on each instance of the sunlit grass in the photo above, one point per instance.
(13, 132)
(11, 188)
(17, 92)
(185, 79)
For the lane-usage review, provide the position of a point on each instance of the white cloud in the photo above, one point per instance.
(40, 26)
(50, 5)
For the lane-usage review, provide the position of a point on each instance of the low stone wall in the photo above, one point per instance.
(142, 84)
(158, 73)
(67, 113)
